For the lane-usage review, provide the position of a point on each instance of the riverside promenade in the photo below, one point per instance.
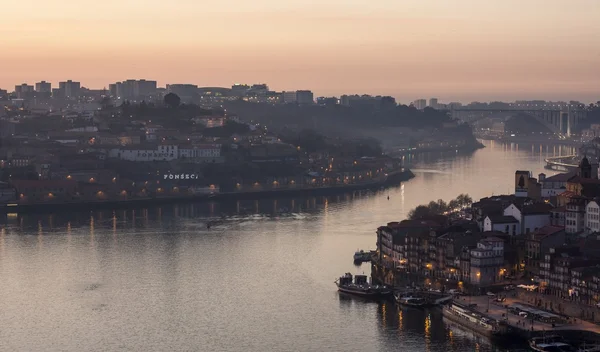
(499, 311)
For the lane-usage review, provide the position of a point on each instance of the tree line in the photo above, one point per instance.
(440, 207)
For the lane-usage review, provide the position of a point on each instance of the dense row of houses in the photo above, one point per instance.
(547, 233)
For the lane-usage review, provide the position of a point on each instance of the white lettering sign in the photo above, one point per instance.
(181, 177)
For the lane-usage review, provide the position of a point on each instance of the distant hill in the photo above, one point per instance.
(524, 124)
(385, 124)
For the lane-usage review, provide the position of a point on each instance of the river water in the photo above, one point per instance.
(261, 279)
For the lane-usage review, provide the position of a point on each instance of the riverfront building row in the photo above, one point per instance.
(548, 239)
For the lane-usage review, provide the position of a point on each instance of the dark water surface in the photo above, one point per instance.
(261, 279)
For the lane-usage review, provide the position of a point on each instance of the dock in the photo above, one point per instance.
(527, 327)
(561, 163)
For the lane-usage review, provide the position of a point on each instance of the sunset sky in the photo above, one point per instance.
(451, 49)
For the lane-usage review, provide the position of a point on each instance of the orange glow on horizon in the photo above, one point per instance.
(457, 50)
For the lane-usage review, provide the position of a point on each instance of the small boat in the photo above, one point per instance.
(417, 302)
(550, 343)
(360, 287)
(362, 256)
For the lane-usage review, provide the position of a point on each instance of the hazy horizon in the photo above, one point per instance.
(463, 50)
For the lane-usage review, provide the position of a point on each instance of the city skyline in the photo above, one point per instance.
(460, 51)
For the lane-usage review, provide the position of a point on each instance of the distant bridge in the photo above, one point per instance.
(559, 121)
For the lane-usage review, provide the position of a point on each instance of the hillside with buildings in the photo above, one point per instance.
(545, 236)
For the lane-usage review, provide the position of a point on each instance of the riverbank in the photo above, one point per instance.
(392, 179)
(524, 327)
(532, 140)
(465, 148)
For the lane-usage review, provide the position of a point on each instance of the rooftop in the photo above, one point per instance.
(501, 219)
(546, 231)
(564, 177)
(536, 209)
(581, 180)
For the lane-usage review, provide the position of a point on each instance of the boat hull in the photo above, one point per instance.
(413, 305)
(371, 294)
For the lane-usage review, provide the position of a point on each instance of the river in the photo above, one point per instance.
(261, 279)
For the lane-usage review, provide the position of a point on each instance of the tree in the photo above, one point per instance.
(420, 212)
(172, 100)
(464, 200)
(453, 205)
(440, 207)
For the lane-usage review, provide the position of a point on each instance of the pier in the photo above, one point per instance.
(561, 163)
(527, 327)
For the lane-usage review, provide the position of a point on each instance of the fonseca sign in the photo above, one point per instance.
(181, 177)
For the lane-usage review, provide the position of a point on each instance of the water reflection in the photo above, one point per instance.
(209, 212)
(261, 277)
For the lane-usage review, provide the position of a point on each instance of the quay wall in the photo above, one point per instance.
(560, 306)
(392, 179)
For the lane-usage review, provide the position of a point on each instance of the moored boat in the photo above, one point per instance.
(549, 343)
(362, 256)
(467, 318)
(359, 286)
(411, 301)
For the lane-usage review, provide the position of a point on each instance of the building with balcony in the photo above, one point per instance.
(447, 255)
(538, 244)
(575, 215)
(487, 261)
(554, 185)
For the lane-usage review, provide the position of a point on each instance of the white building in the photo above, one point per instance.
(70, 89)
(420, 104)
(505, 224)
(142, 153)
(554, 185)
(290, 97)
(487, 261)
(207, 151)
(592, 217)
(575, 215)
(304, 97)
(433, 103)
(530, 217)
(43, 87)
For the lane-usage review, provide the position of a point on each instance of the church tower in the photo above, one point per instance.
(585, 168)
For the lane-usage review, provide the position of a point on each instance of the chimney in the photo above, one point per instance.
(541, 177)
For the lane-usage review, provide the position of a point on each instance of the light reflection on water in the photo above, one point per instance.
(260, 279)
